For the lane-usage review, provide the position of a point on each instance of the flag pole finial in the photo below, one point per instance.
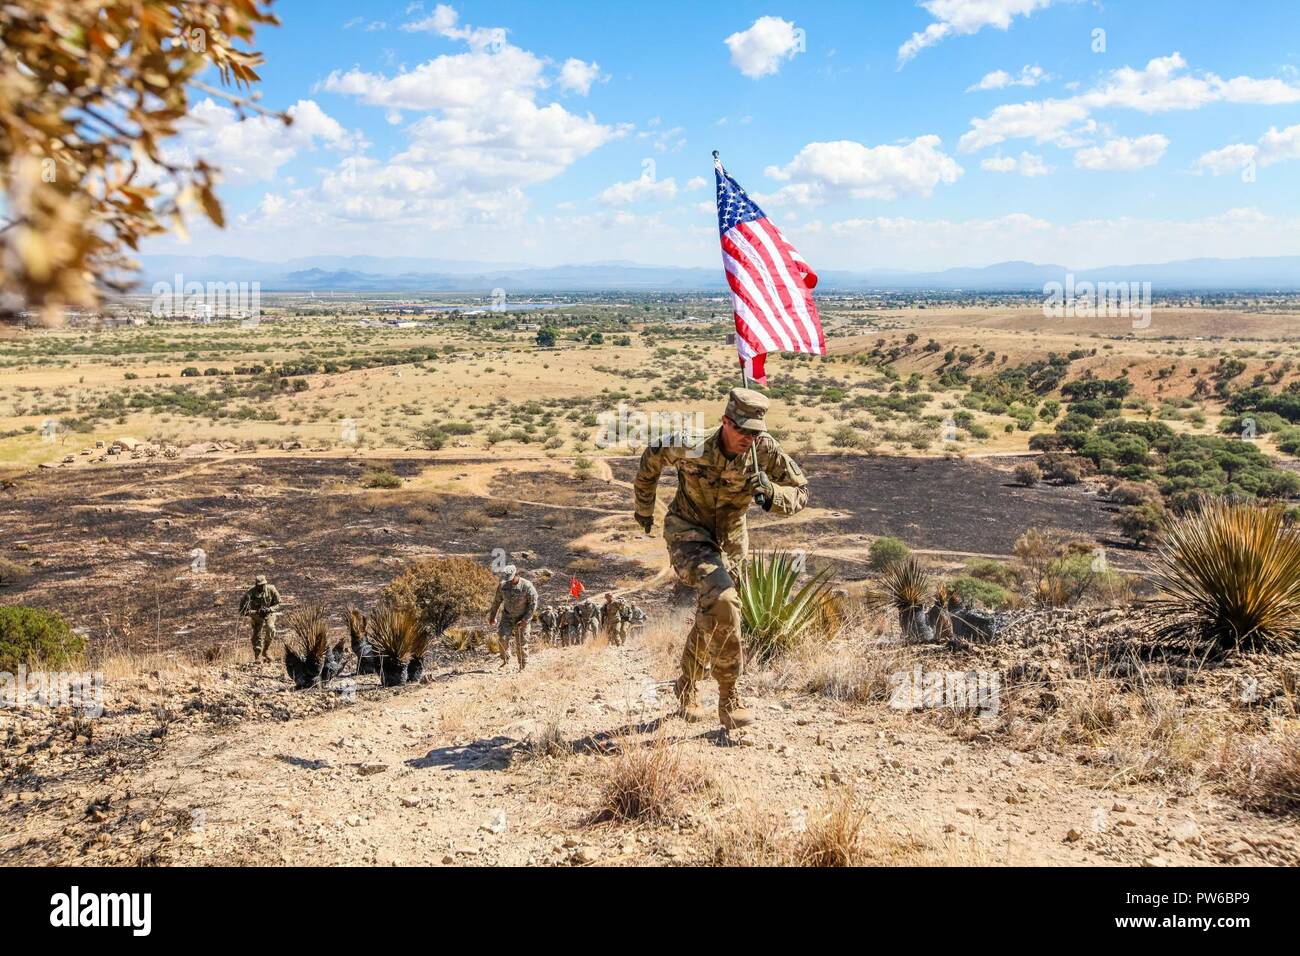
(717, 160)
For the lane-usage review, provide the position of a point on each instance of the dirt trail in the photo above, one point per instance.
(437, 773)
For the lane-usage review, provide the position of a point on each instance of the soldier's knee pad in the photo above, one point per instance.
(721, 608)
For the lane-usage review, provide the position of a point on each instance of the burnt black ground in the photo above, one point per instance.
(112, 548)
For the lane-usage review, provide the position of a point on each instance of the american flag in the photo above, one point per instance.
(771, 285)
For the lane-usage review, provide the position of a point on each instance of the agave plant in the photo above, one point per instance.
(1230, 574)
(398, 637)
(308, 656)
(367, 659)
(904, 585)
(776, 610)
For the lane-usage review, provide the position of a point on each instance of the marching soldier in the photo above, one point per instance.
(717, 480)
(516, 598)
(614, 615)
(260, 604)
(588, 618)
(547, 618)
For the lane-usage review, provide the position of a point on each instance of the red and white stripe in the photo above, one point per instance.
(771, 294)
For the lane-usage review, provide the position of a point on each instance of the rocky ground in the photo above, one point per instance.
(224, 764)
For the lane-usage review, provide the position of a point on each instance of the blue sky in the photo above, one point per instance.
(888, 134)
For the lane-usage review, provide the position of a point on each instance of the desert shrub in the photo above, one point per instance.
(308, 656)
(978, 591)
(11, 571)
(776, 610)
(1028, 474)
(885, 551)
(380, 478)
(1141, 523)
(995, 572)
(1133, 493)
(441, 590)
(904, 585)
(30, 635)
(1058, 568)
(1229, 574)
(397, 635)
(1066, 472)
(432, 436)
(846, 436)
(582, 468)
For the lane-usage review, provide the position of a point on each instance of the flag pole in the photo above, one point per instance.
(759, 498)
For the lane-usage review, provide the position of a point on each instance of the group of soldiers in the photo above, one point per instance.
(719, 477)
(515, 604)
(570, 624)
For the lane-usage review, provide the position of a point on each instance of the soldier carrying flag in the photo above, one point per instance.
(739, 463)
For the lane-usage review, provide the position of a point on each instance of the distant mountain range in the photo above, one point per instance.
(409, 274)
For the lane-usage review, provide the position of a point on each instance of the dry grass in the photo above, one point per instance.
(853, 668)
(662, 639)
(834, 836)
(1262, 772)
(843, 831)
(548, 741)
(648, 783)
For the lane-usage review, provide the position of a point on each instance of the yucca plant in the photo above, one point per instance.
(904, 585)
(398, 637)
(367, 659)
(1229, 574)
(308, 656)
(776, 610)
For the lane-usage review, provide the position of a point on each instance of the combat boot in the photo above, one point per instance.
(732, 713)
(688, 708)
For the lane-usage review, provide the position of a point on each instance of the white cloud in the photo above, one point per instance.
(1027, 164)
(1275, 146)
(822, 171)
(1001, 79)
(485, 128)
(1162, 85)
(482, 134)
(1123, 154)
(444, 21)
(254, 149)
(577, 77)
(959, 17)
(638, 190)
(696, 182)
(664, 140)
(759, 51)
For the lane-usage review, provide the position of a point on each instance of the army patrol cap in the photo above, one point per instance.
(746, 408)
(260, 579)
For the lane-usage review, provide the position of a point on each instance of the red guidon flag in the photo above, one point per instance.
(575, 587)
(771, 285)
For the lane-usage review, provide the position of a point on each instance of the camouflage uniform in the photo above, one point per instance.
(260, 603)
(517, 601)
(707, 536)
(548, 619)
(569, 625)
(588, 618)
(614, 615)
